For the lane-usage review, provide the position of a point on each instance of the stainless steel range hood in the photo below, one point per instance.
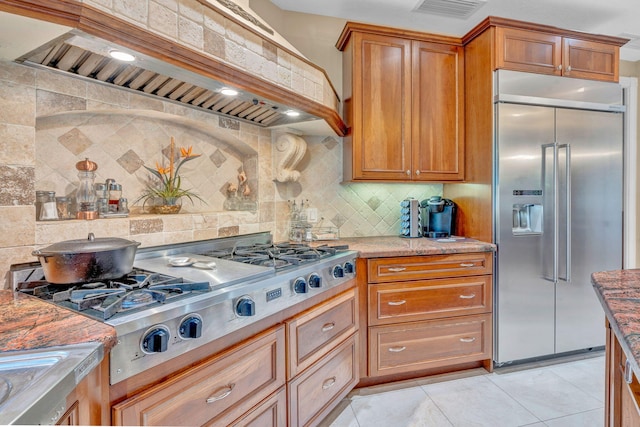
(87, 57)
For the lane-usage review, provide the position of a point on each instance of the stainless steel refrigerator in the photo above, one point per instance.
(558, 195)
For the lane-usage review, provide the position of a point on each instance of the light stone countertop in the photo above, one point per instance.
(391, 246)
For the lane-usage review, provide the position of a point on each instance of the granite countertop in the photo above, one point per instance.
(619, 294)
(28, 323)
(390, 246)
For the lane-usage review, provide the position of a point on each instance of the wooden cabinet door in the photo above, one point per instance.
(590, 60)
(622, 404)
(438, 112)
(531, 51)
(382, 108)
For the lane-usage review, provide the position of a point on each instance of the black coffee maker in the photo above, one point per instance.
(438, 217)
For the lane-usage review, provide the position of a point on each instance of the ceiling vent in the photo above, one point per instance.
(459, 9)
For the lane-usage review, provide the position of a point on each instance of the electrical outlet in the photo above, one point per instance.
(312, 215)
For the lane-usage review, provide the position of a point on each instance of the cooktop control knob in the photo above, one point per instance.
(315, 281)
(156, 339)
(337, 272)
(191, 327)
(349, 267)
(300, 286)
(245, 306)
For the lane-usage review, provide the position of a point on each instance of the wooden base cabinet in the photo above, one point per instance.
(215, 392)
(428, 312)
(622, 389)
(322, 358)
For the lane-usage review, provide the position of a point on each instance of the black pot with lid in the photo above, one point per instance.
(84, 260)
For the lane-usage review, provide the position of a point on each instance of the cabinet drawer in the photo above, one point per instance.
(382, 270)
(315, 392)
(272, 412)
(414, 346)
(226, 386)
(312, 334)
(429, 299)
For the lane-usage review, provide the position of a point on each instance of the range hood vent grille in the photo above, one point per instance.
(73, 54)
(460, 9)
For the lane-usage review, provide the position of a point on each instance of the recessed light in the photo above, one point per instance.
(229, 92)
(122, 56)
(292, 113)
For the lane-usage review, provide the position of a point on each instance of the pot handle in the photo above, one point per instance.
(91, 237)
(38, 253)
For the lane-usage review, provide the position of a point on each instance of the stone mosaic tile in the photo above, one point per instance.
(233, 230)
(17, 104)
(18, 145)
(218, 158)
(17, 227)
(228, 123)
(190, 32)
(134, 9)
(146, 226)
(75, 141)
(59, 83)
(192, 10)
(51, 103)
(130, 161)
(16, 73)
(269, 51)
(214, 43)
(17, 185)
(169, 4)
(330, 142)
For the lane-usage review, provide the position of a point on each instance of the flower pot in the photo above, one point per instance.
(167, 206)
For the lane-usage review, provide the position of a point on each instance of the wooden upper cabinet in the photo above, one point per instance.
(548, 50)
(590, 60)
(382, 126)
(437, 112)
(523, 50)
(404, 104)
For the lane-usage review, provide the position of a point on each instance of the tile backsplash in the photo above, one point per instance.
(49, 121)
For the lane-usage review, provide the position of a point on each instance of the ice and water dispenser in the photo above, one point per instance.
(527, 217)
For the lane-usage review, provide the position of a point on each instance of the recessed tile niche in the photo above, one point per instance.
(121, 141)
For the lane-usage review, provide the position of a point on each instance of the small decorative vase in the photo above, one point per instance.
(170, 205)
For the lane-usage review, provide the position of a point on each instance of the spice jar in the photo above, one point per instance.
(115, 192)
(48, 210)
(86, 194)
(63, 206)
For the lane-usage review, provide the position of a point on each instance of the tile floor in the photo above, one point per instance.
(559, 393)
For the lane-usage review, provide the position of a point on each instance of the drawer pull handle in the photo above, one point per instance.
(397, 269)
(328, 383)
(467, 264)
(397, 349)
(467, 296)
(397, 302)
(472, 339)
(329, 326)
(628, 373)
(225, 392)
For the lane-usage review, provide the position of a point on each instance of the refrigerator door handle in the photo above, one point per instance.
(567, 215)
(549, 208)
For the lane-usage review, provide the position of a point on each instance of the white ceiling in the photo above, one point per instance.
(609, 17)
